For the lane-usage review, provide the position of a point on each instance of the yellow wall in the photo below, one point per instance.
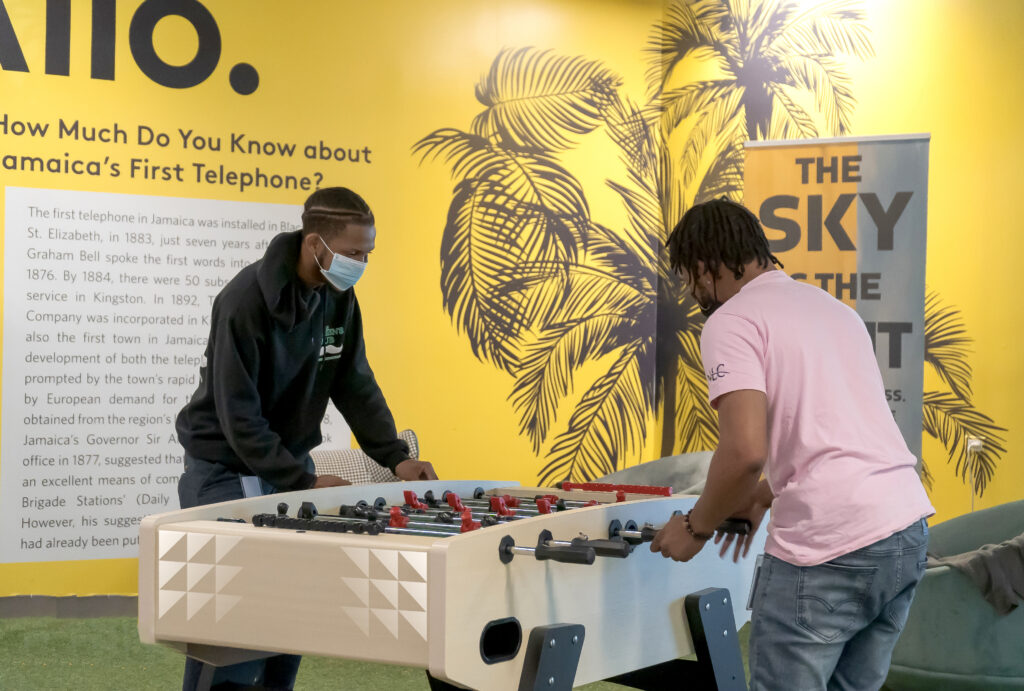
(952, 68)
(386, 75)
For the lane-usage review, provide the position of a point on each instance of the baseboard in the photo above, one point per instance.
(73, 607)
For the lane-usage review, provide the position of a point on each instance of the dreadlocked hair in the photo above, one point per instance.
(718, 233)
(332, 209)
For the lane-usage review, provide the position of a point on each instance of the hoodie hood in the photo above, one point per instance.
(289, 300)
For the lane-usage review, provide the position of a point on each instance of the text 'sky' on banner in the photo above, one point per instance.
(850, 215)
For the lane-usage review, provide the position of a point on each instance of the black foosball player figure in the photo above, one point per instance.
(286, 338)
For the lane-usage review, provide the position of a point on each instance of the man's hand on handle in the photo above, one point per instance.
(412, 470)
(409, 470)
(674, 541)
(330, 481)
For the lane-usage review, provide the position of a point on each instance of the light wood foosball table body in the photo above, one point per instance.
(215, 589)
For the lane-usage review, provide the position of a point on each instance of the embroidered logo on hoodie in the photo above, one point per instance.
(331, 349)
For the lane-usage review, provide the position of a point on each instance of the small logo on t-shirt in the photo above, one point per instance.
(717, 372)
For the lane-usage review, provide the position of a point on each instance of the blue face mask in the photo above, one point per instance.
(343, 272)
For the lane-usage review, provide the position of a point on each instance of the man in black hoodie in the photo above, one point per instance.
(286, 337)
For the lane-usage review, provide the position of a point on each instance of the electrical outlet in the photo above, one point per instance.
(975, 444)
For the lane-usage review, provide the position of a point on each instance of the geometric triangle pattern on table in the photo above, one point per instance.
(382, 593)
(192, 575)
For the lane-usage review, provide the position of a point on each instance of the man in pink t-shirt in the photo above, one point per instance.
(792, 374)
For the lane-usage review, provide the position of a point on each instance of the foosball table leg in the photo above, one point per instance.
(713, 629)
(438, 685)
(719, 663)
(210, 658)
(552, 656)
(206, 677)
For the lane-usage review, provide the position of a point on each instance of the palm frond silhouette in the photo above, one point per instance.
(542, 289)
(767, 52)
(950, 416)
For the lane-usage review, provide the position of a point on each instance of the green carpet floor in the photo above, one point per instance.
(105, 654)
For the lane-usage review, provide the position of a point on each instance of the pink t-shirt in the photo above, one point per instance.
(840, 470)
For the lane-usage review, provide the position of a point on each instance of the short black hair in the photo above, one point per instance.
(718, 233)
(331, 209)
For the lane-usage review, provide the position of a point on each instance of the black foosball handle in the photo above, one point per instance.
(737, 526)
(605, 548)
(507, 550)
(634, 535)
(567, 555)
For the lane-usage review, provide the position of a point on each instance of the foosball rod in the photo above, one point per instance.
(505, 505)
(430, 515)
(512, 505)
(480, 497)
(630, 533)
(307, 517)
(410, 526)
(381, 509)
(573, 554)
(601, 548)
(431, 505)
(501, 504)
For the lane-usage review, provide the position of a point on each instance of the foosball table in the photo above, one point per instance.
(487, 585)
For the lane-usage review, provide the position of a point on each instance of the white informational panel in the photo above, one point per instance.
(106, 311)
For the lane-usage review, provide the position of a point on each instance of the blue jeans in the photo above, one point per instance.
(202, 483)
(834, 625)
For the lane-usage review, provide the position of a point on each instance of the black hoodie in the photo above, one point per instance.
(277, 352)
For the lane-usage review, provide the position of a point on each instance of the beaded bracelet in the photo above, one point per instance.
(690, 530)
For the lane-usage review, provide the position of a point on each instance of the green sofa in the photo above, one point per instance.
(954, 639)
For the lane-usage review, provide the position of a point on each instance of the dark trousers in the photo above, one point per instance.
(205, 483)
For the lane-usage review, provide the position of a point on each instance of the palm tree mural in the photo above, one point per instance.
(768, 58)
(950, 415)
(544, 291)
(772, 58)
(538, 285)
